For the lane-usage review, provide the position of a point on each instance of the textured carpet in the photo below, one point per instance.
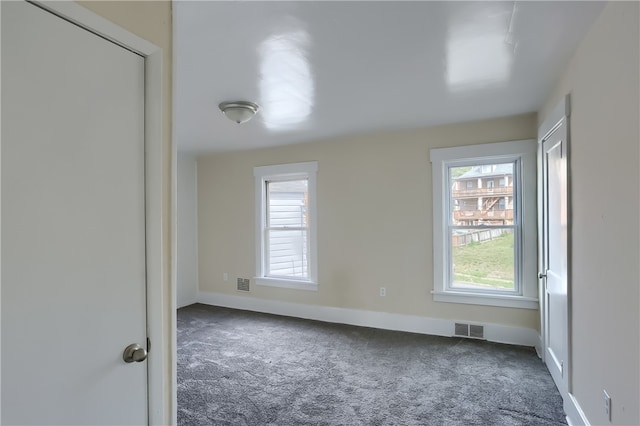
(245, 368)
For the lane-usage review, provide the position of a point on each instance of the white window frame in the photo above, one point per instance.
(522, 152)
(292, 171)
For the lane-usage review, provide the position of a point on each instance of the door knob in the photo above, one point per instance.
(541, 275)
(134, 352)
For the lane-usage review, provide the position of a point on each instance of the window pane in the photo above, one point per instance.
(287, 249)
(483, 259)
(475, 200)
(288, 253)
(287, 203)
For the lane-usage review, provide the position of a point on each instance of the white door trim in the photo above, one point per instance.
(159, 387)
(559, 115)
(560, 112)
(174, 266)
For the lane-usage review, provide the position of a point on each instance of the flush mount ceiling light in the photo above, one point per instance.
(239, 111)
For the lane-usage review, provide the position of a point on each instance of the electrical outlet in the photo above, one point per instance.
(225, 277)
(383, 291)
(607, 405)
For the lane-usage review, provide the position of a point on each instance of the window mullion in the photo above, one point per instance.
(480, 228)
(287, 228)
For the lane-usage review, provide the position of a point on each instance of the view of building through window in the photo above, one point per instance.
(481, 227)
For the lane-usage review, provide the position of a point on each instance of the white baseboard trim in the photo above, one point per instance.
(383, 320)
(575, 415)
(184, 304)
(538, 347)
(190, 299)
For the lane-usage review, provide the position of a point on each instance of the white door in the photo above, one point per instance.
(554, 254)
(73, 224)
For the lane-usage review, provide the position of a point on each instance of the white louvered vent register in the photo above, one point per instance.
(469, 330)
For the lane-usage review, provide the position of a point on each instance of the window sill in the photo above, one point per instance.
(283, 283)
(486, 299)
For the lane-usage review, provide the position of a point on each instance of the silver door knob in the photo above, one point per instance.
(541, 275)
(134, 352)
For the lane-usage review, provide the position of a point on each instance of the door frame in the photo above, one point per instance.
(158, 382)
(559, 115)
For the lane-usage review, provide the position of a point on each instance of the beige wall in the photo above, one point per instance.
(604, 159)
(187, 232)
(151, 20)
(374, 220)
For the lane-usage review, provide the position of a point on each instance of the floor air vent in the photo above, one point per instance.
(476, 331)
(469, 330)
(461, 330)
(243, 284)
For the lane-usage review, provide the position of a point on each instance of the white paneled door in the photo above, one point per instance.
(554, 274)
(73, 224)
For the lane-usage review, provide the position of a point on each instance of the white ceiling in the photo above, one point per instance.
(324, 69)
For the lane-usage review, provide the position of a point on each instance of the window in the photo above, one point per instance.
(286, 225)
(486, 252)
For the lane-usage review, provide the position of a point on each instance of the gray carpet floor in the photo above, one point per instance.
(245, 368)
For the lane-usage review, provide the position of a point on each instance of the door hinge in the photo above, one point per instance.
(148, 345)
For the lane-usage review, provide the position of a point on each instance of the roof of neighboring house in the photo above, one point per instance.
(476, 171)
